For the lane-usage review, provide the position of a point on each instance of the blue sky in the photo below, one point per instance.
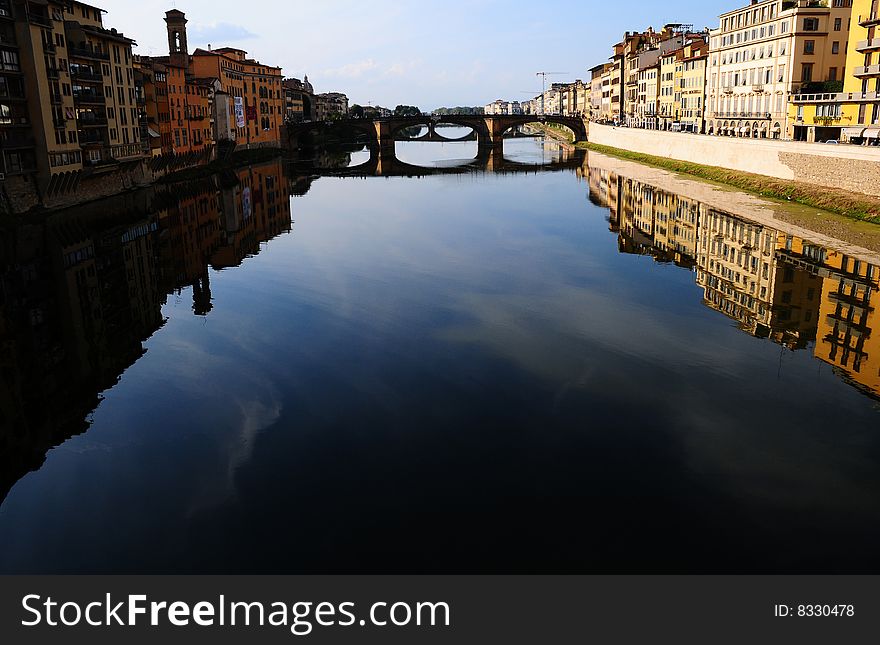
(423, 53)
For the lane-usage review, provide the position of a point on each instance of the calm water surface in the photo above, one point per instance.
(488, 372)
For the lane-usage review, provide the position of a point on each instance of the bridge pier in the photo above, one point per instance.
(495, 129)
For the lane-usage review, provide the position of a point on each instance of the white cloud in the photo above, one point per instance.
(220, 32)
(351, 70)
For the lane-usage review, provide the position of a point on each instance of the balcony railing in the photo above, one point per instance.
(743, 115)
(49, 48)
(867, 70)
(91, 138)
(16, 139)
(52, 73)
(868, 45)
(836, 97)
(89, 77)
(871, 20)
(41, 20)
(758, 88)
(87, 52)
(59, 122)
(93, 98)
(93, 122)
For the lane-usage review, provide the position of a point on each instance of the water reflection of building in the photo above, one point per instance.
(777, 286)
(653, 222)
(847, 318)
(82, 289)
(80, 296)
(254, 209)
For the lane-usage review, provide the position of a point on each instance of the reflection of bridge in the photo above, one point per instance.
(487, 160)
(488, 131)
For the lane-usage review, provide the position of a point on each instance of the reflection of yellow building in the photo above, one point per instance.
(777, 286)
(848, 334)
(736, 269)
(853, 114)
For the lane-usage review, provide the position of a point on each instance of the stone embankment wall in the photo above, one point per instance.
(20, 194)
(852, 168)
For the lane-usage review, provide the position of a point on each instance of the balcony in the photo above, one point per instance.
(16, 139)
(41, 20)
(91, 138)
(868, 45)
(758, 88)
(869, 70)
(59, 122)
(89, 77)
(92, 121)
(89, 98)
(56, 99)
(872, 20)
(49, 48)
(87, 52)
(727, 89)
(52, 73)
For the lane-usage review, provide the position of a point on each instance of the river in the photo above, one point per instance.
(500, 370)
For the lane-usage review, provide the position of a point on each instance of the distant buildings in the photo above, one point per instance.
(503, 107)
(330, 105)
(299, 100)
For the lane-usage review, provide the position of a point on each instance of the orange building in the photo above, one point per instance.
(189, 110)
(256, 110)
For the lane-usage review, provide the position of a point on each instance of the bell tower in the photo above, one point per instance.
(177, 49)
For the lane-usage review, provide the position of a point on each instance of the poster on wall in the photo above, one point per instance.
(239, 112)
(252, 113)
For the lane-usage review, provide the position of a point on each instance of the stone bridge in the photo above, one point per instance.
(488, 130)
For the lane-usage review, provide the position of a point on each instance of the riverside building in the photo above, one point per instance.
(764, 53)
(71, 101)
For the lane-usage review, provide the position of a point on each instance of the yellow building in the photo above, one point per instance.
(852, 115)
(666, 106)
(691, 77)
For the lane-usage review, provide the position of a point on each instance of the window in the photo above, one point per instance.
(811, 24)
(838, 24)
(807, 73)
(809, 46)
(835, 47)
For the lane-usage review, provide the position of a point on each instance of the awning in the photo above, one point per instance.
(871, 133)
(854, 133)
(154, 134)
